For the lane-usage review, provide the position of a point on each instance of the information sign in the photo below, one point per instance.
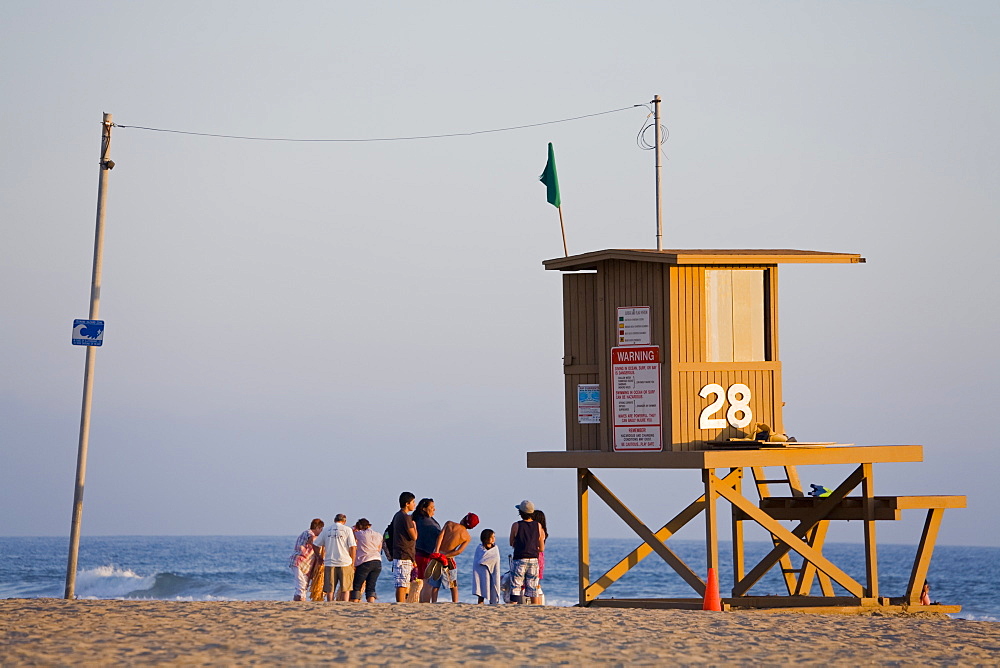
(588, 403)
(635, 377)
(633, 326)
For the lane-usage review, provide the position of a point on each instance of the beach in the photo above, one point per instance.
(102, 632)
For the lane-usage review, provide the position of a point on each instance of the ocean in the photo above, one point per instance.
(199, 568)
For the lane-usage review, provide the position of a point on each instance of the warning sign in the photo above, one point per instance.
(635, 377)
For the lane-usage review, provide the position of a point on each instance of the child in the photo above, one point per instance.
(925, 594)
(486, 569)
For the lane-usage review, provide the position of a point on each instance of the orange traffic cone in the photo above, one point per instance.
(712, 599)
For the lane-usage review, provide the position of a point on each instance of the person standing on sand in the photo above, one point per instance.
(451, 542)
(302, 559)
(404, 536)
(539, 517)
(367, 562)
(528, 539)
(428, 531)
(486, 568)
(341, 547)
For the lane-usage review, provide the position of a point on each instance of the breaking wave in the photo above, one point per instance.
(114, 582)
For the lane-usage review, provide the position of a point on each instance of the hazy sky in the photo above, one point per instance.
(301, 329)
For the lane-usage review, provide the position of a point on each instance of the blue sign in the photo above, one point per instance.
(88, 332)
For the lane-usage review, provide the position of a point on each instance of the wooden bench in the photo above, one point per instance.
(851, 507)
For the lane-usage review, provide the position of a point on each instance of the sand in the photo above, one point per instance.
(91, 633)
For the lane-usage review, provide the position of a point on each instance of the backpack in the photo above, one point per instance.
(387, 541)
(505, 580)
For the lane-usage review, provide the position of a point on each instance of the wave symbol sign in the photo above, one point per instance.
(88, 332)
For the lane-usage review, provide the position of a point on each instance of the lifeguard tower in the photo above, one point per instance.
(671, 362)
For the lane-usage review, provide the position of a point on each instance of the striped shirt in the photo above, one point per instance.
(302, 558)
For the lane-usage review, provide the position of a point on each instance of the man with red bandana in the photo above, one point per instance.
(452, 542)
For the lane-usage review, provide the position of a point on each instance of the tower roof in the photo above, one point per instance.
(700, 256)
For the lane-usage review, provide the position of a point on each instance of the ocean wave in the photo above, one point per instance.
(974, 617)
(111, 582)
(171, 586)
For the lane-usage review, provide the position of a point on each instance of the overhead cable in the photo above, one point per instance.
(374, 139)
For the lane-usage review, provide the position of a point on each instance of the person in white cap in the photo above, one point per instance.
(528, 539)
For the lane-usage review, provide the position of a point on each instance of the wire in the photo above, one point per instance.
(374, 139)
(640, 138)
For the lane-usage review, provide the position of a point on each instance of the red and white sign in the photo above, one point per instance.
(635, 378)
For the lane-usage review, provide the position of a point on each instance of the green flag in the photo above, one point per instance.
(551, 180)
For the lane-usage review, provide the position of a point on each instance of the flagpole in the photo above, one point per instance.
(563, 228)
(551, 180)
(659, 198)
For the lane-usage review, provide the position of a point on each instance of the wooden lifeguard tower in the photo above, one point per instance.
(671, 362)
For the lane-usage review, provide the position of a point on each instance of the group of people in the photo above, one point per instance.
(341, 563)
(337, 563)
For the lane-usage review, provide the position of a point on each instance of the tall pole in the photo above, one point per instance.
(563, 229)
(88, 375)
(659, 198)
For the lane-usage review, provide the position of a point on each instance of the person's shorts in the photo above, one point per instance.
(421, 565)
(338, 577)
(401, 570)
(524, 577)
(448, 579)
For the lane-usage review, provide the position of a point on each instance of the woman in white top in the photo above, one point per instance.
(367, 560)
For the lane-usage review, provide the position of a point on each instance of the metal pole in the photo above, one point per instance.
(88, 375)
(659, 199)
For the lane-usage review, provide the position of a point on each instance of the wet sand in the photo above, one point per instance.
(57, 632)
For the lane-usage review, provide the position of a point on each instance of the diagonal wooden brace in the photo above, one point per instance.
(796, 535)
(666, 531)
(817, 536)
(646, 534)
(922, 561)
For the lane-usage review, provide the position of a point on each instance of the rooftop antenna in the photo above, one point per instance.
(659, 198)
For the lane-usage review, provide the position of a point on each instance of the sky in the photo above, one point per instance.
(297, 329)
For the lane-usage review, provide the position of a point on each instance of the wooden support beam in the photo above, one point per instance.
(852, 507)
(868, 511)
(794, 542)
(643, 532)
(711, 519)
(739, 561)
(922, 562)
(644, 550)
(583, 531)
(809, 520)
(721, 459)
(789, 574)
(793, 480)
(804, 585)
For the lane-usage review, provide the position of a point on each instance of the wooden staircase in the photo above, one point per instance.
(798, 581)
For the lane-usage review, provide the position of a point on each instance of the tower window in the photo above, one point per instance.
(734, 315)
